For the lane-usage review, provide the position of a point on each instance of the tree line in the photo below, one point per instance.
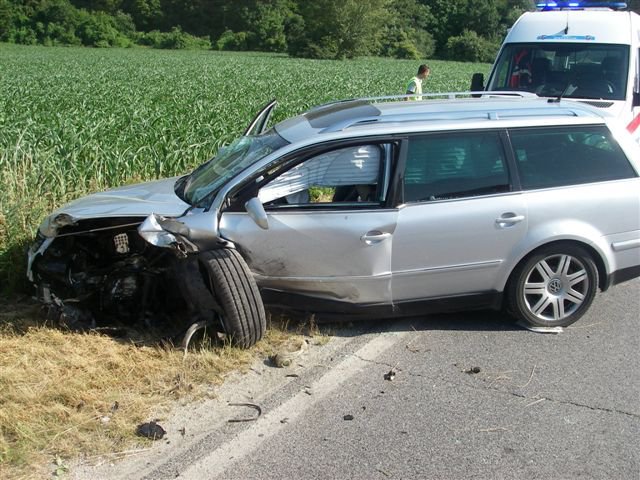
(467, 30)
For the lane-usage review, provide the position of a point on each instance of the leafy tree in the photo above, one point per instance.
(101, 30)
(266, 24)
(146, 14)
(336, 28)
(471, 47)
(108, 6)
(6, 20)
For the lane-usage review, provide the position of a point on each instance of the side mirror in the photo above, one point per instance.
(256, 211)
(636, 99)
(477, 84)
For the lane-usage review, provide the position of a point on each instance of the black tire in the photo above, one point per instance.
(553, 287)
(231, 282)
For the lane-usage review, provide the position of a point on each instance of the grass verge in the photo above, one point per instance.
(65, 394)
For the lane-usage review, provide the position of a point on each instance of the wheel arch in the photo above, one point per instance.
(596, 256)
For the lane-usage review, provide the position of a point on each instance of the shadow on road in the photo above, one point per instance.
(478, 321)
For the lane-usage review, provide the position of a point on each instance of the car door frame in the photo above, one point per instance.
(248, 189)
(487, 299)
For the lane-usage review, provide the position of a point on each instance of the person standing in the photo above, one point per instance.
(415, 84)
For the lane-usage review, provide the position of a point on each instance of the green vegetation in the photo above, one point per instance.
(76, 120)
(327, 29)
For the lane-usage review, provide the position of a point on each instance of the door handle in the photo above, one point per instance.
(508, 219)
(375, 236)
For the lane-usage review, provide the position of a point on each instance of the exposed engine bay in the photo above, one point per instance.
(101, 272)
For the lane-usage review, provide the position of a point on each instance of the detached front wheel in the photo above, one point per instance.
(231, 282)
(554, 287)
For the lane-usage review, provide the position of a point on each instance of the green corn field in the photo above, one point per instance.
(78, 120)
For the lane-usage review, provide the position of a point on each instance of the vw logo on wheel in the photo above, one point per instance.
(555, 286)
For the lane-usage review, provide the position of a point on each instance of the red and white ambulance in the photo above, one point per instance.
(581, 50)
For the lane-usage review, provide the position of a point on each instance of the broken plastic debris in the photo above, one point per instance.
(390, 375)
(473, 370)
(348, 417)
(250, 405)
(150, 430)
(541, 329)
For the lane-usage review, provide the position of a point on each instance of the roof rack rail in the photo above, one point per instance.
(515, 112)
(442, 95)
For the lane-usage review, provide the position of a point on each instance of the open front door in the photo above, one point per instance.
(260, 122)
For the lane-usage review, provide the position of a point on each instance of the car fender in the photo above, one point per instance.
(560, 230)
(192, 233)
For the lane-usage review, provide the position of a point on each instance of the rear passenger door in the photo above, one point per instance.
(579, 185)
(461, 217)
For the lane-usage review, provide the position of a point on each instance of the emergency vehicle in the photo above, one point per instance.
(580, 50)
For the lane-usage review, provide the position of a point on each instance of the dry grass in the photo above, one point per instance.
(63, 394)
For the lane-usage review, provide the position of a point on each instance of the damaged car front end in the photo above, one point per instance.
(140, 255)
(92, 267)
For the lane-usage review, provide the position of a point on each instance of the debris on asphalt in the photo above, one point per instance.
(473, 370)
(150, 430)
(390, 375)
(285, 420)
(288, 353)
(348, 417)
(494, 429)
(279, 360)
(531, 328)
(182, 431)
(250, 405)
(535, 403)
(533, 370)
(292, 375)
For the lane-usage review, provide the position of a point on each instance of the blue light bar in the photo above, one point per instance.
(579, 5)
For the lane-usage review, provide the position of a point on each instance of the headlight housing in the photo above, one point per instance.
(50, 226)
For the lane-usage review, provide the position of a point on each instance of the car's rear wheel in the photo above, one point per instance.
(231, 282)
(554, 286)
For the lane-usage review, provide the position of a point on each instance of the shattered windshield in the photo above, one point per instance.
(573, 70)
(230, 161)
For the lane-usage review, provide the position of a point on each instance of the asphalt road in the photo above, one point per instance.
(541, 406)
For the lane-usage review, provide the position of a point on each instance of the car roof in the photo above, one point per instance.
(380, 115)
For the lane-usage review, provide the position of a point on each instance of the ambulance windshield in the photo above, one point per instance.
(573, 70)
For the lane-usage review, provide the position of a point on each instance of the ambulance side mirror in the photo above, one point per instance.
(477, 83)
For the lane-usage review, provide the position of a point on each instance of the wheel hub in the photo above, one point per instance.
(555, 286)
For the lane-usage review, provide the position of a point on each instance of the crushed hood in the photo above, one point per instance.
(138, 200)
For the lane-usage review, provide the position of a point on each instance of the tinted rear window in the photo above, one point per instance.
(558, 156)
(456, 165)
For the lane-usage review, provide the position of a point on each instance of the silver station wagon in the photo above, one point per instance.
(369, 207)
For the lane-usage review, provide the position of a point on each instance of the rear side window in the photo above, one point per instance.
(559, 156)
(456, 165)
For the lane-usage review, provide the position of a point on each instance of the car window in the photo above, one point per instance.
(558, 156)
(440, 167)
(345, 175)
